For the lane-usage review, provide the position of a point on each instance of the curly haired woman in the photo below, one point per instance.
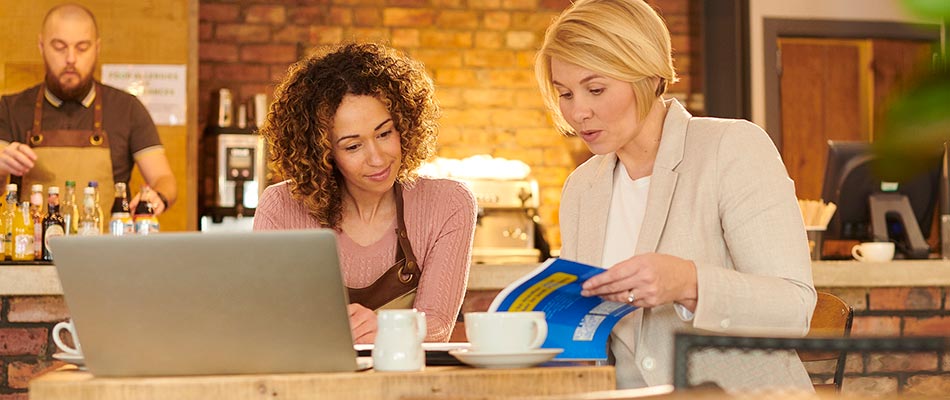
(348, 129)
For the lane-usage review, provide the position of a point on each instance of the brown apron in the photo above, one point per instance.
(71, 154)
(396, 288)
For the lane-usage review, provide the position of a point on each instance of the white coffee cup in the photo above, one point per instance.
(873, 251)
(67, 326)
(505, 332)
(399, 339)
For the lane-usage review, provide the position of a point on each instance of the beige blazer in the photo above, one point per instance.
(721, 197)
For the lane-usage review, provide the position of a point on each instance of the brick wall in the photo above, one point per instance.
(896, 312)
(26, 347)
(480, 54)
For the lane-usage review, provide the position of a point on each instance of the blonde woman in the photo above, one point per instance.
(696, 218)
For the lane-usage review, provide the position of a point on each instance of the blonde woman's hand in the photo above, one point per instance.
(649, 279)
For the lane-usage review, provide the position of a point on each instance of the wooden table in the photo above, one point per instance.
(434, 382)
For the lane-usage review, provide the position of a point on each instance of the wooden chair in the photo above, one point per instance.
(832, 318)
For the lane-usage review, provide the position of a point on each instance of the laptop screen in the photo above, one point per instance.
(203, 303)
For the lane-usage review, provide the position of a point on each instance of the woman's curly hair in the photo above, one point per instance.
(300, 120)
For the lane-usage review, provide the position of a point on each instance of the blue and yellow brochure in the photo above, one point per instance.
(579, 325)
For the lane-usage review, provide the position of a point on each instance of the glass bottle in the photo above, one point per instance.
(121, 222)
(53, 224)
(145, 220)
(36, 215)
(8, 214)
(23, 233)
(69, 209)
(100, 216)
(88, 220)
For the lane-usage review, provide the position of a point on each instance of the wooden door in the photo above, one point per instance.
(895, 65)
(824, 95)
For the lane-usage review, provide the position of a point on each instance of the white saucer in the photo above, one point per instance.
(70, 358)
(505, 360)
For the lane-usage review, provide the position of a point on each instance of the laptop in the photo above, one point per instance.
(207, 303)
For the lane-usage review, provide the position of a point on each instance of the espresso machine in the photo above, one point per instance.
(507, 229)
(233, 173)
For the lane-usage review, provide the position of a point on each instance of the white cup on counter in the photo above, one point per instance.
(70, 327)
(505, 332)
(873, 251)
(399, 339)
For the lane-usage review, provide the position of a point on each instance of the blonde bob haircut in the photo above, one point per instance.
(621, 39)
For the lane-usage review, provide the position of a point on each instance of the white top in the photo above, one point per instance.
(628, 205)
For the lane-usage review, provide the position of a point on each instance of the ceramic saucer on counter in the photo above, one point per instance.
(505, 360)
(69, 358)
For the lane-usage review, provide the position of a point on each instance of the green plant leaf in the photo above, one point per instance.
(928, 8)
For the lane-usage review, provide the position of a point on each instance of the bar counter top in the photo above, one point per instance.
(827, 274)
(29, 280)
(41, 280)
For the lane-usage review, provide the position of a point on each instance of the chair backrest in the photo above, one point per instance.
(832, 318)
(686, 343)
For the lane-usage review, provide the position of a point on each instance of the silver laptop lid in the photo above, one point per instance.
(201, 303)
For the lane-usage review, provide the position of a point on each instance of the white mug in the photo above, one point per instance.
(67, 326)
(399, 339)
(873, 251)
(505, 332)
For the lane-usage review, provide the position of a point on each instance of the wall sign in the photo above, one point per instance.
(161, 88)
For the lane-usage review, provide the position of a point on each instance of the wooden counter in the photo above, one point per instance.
(434, 381)
(897, 273)
(29, 280)
(827, 274)
(42, 280)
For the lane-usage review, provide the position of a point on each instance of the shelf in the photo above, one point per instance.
(217, 214)
(230, 130)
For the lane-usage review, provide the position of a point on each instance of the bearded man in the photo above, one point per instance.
(71, 127)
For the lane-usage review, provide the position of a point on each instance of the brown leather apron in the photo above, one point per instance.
(396, 288)
(71, 154)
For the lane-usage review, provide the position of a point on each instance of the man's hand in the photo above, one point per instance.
(158, 206)
(17, 158)
(158, 175)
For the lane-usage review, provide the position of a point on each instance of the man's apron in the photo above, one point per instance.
(71, 154)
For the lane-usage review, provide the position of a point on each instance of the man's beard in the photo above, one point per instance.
(76, 93)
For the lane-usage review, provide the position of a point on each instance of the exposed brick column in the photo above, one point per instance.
(896, 311)
(25, 343)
